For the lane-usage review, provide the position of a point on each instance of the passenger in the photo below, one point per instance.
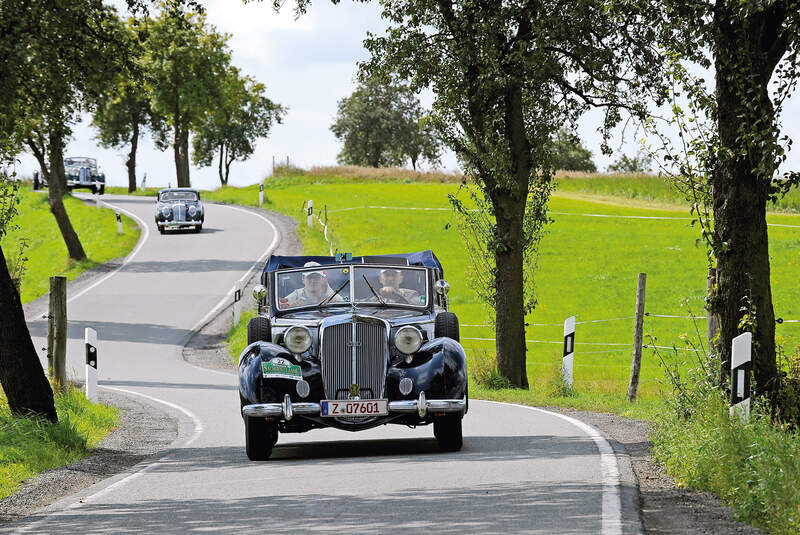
(315, 289)
(390, 280)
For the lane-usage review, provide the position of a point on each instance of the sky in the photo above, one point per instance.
(307, 64)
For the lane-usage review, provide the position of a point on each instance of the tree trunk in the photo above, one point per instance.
(509, 298)
(181, 151)
(740, 193)
(228, 162)
(21, 373)
(57, 185)
(131, 163)
(221, 158)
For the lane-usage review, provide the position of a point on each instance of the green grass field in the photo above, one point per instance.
(588, 268)
(28, 446)
(46, 252)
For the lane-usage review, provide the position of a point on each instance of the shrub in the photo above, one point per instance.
(483, 368)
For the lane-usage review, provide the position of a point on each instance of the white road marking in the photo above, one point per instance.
(611, 521)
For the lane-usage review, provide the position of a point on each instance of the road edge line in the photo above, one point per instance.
(613, 468)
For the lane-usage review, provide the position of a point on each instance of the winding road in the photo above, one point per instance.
(521, 470)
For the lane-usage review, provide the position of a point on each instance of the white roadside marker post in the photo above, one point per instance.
(569, 350)
(237, 302)
(310, 212)
(91, 364)
(740, 375)
(260, 194)
(119, 222)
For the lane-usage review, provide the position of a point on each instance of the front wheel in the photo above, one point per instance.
(259, 330)
(447, 430)
(198, 228)
(447, 325)
(260, 437)
(102, 189)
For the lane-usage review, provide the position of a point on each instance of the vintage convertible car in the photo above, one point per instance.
(83, 172)
(352, 343)
(178, 208)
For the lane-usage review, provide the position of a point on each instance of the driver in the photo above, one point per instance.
(390, 280)
(315, 289)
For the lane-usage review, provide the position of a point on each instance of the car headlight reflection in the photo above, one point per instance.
(166, 211)
(297, 339)
(408, 339)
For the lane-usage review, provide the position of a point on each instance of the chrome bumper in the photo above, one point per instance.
(176, 224)
(287, 409)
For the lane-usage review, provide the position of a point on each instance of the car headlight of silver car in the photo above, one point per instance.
(297, 339)
(166, 211)
(192, 210)
(408, 339)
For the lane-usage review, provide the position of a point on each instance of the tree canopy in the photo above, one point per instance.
(230, 132)
(187, 63)
(383, 124)
(570, 154)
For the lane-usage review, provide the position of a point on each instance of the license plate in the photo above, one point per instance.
(367, 407)
(174, 224)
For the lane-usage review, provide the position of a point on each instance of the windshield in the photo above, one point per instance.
(178, 196)
(391, 285)
(331, 285)
(312, 286)
(80, 162)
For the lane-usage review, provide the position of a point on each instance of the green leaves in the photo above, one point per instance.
(382, 124)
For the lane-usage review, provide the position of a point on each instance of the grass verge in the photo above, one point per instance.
(45, 250)
(29, 446)
(754, 466)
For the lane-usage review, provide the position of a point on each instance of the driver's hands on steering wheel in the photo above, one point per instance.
(393, 293)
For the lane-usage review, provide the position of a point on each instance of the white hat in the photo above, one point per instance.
(323, 272)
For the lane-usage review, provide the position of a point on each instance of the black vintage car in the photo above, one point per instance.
(352, 343)
(179, 208)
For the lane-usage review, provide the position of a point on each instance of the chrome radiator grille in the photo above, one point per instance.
(179, 212)
(336, 357)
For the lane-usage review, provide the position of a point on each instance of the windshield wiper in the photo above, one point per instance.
(334, 294)
(373, 291)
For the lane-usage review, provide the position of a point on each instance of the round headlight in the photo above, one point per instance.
(165, 211)
(408, 339)
(192, 210)
(297, 339)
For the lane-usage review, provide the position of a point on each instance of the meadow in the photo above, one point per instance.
(598, 242)
(45, 250)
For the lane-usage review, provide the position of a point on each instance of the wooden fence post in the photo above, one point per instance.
(58, 308)
(638, 322)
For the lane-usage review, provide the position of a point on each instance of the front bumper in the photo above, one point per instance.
(421, 406)
(178, 224)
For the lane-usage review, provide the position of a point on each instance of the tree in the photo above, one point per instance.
(731, 167)
(123, 112)
(74, 51)
(506, 77)
(21, 374)
(243, 115)
(641, 163)
(570, 154)
(187, 62)
(383, 124)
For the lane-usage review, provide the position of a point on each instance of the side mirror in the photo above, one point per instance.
(259, 292)
(441, 286)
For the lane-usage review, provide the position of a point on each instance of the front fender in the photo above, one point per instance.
(441, 372)
(250, 367)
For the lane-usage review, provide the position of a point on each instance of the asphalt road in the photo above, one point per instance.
(521, 470)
